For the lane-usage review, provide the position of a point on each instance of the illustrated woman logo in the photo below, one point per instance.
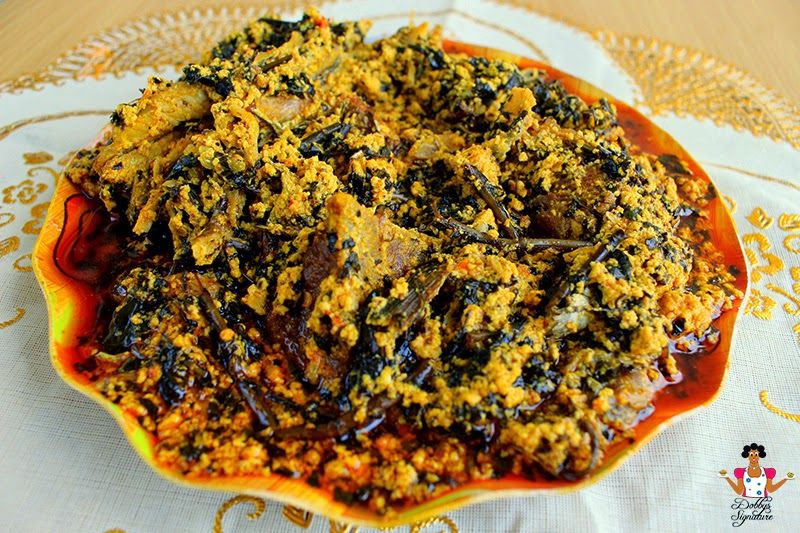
(755, 481)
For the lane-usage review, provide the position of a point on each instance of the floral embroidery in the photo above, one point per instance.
(25, 192)
(50, 171)
(34, 225)
(685, 82)
(419, 526)
(759, 218)
(258, 509)
(731, 203)
(297, 516)
(339, 527)
(17, 317)
(303, 519)
(777, 410)
(759, 305)
(792, 243)
(793, 308)
(6, 219)
(763, 262)
(789, 222)
(757, 248)
(793, 299)
(36, 158)
(19, 263)
(8, 245)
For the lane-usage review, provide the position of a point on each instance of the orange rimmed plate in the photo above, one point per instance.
(73, 307)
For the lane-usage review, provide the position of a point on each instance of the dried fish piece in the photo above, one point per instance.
(488, 193)
(562, 289)
(230, 349)
(522, 244)
(326, 142)
(399, 314)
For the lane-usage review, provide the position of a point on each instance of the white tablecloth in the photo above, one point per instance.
(65, 465)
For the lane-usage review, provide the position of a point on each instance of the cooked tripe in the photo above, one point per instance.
(389, 270)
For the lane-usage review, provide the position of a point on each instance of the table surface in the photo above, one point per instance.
(759, 37)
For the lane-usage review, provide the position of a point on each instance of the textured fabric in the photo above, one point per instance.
(65, 465)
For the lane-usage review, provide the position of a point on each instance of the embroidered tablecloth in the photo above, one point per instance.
(64, 464)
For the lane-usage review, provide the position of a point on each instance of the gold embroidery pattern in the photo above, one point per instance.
(777, 410)
(764, 177)
(297, 516)
(9, 245)
(675, 79)
(763, 262)
(258, 509)
(25, 192)
(671, 78)
(793, 307)
(338, 527)
(731, 204)
(53, 173)
(17, 318)
(5, 131)
(759, 305)
(443, 520)
(793, 299)
(6, 219)
(789, 222)
(19, 263)
(168, 39)
(34, 225)
(760, 219)
(36, 158)
(792, 243)
(303, 519)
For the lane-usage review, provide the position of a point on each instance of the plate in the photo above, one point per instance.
(73, 307)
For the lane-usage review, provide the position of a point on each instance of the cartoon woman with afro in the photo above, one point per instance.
(754, 481)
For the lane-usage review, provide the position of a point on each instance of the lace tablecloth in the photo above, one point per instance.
(65, 465)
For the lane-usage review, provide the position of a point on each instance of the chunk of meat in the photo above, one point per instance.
(351, 254)
(161, 108)
(565, 215)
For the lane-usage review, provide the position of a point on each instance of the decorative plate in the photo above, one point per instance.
(73, 308)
